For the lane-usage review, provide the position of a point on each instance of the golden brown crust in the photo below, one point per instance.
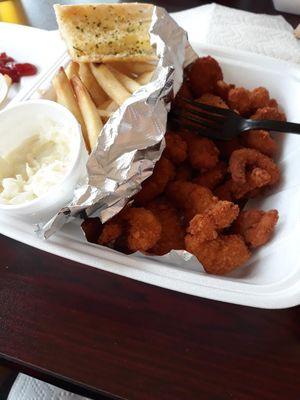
(106, 32)
(221, 255)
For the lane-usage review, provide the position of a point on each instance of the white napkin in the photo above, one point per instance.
(227, 27)
(27, 388)
(219, 26)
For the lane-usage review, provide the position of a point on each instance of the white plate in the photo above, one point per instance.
(35, 46)
(272, 277)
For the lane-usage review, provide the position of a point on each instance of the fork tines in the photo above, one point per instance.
(199, 117)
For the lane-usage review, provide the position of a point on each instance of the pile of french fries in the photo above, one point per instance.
(92, 92)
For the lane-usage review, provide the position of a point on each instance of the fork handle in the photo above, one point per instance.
(279, 126)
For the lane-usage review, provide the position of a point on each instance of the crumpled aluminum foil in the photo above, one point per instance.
(133, 138)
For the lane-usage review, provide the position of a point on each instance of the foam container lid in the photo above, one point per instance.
(271, 278)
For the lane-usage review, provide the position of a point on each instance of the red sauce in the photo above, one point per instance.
(8, 66)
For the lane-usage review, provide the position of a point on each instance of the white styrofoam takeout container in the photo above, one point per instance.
(272, 277)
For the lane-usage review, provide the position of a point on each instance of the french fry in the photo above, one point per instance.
(145, 78)
(66, 96)
(106, 104)
(130, 84)
(104, 113)
(72, 69)
(89, 111)
(122, 67)
(97, 93)
(139, 67)
(109, 83)
(112, 106)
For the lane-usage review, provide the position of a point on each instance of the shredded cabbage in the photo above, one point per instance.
(35, 166)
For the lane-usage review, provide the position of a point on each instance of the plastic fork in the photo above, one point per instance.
(222, 124)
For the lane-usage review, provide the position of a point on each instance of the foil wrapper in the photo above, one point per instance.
(133, 138)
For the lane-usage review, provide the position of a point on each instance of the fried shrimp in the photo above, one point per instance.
(176, 148)
(110, 232)
(260, 140)
(183, 172)
(256, 226)
(259, 98)
(224, 191)
(239, 100)
(188, 203)
(144, 229)
(223, 213)
(222, 89)
(191, 198)
(255, 180)
(213, 177)
(163, 173)
(271, 113)
(243, 158)
(226, 148)
(137, 228)
(172, 234)
(273, 103)
(203, 75)
(219, 216)
(221, 255)
(202, 152)
(212, 100)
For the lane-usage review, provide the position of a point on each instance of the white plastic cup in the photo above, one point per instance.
(288, 6)
(21, 121)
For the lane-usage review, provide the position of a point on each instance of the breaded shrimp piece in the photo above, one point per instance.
(202, 153)
(273, 103)
(191, 198)
(219, 216)
(259, 98)
(172, 234)
(224, 191)
(223, 213)
(183, 172)
(271, 113)
(221, 255)
(111, 231)
(143, 229)
(255, 180)
(256, 226)
(203, 75)
(213, 177)
(136, 228)
(202, 228)
(163, 173)
(222, 89)
(243, 158)
(260, 140)
(212, 100)
(176, 148)
(239, 100)
(226, 148)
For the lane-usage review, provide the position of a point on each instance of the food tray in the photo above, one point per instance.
(271, 279)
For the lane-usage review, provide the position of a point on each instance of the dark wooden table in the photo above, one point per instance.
(106, 336)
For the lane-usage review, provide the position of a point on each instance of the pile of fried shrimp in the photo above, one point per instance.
(195, 197)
